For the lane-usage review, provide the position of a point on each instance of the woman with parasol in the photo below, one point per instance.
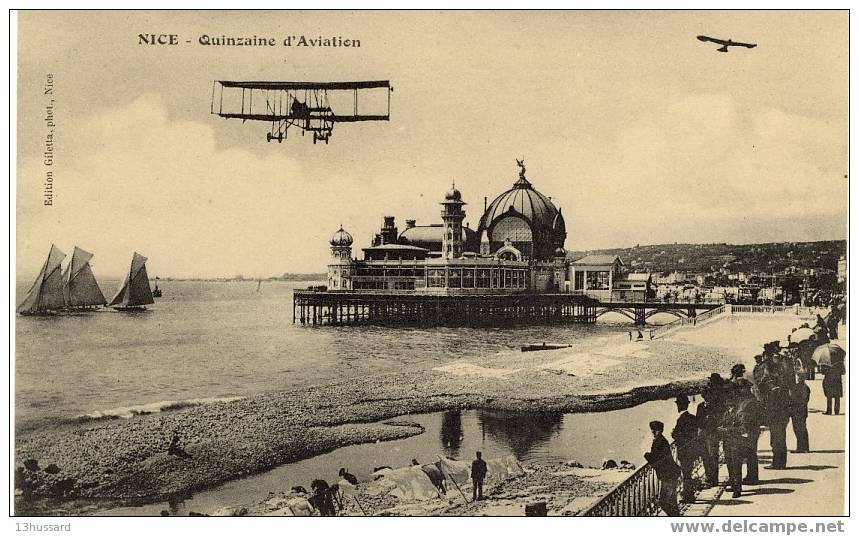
(830, 359)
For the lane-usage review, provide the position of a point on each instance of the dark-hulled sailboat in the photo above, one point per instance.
(46, 294)
(135, 293)
(80, 289)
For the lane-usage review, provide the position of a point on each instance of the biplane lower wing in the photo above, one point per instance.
(332, 86)
(334, 118)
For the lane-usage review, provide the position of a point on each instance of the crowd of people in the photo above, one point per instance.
(729, 419)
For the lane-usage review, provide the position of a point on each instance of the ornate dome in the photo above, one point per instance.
(341, 238)
(541, 228)
(525, 201)
(453, 195)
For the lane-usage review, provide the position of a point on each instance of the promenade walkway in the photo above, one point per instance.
(811, 485)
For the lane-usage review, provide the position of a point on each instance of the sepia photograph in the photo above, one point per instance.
(311, 263)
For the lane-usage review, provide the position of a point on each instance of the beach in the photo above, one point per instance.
(126, 458)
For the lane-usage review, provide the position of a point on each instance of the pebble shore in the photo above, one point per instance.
(126, 459)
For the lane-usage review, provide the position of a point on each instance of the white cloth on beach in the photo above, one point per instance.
(300, 507)
(346, 487)
(458, 471)
(411, 484)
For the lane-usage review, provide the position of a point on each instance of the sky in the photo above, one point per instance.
(640, 133)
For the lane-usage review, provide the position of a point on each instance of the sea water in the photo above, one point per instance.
(204, 341)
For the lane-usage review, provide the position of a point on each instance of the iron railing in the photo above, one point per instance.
(637, 495)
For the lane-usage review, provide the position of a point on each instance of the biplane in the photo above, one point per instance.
(725, 44)
(304, 105)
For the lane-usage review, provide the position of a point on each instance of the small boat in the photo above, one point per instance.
(45, 297)
(80, 289)
(135, 293)
(544, 346)
(156, 292)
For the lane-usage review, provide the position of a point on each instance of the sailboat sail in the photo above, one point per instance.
(47, 291)
(135, 290)
(81, 288)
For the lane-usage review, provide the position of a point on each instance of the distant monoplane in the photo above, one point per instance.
(725, 44)
(304, 105)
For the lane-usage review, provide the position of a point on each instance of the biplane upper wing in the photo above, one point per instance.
(271, 101)
(725, 43)
(372, 84)
(705, 39)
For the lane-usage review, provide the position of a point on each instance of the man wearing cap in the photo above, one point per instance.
(685, 435)
(666, 470)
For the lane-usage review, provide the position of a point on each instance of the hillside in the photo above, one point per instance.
(734, 257)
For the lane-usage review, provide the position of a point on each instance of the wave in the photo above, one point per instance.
(127, 412)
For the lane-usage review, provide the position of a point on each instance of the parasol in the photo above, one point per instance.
(802, 334)
(827, 355)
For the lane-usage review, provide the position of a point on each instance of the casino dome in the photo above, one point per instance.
(341, 238)
(528, 218)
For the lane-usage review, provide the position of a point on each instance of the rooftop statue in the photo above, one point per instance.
(521, 164)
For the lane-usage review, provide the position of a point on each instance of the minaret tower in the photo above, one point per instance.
(340, 267)
(452, 216)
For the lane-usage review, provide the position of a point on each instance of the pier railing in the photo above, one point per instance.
(729, 309)
(637, 495)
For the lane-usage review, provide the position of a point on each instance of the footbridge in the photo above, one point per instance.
(640, 311)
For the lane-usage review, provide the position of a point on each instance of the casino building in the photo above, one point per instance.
(517, 247)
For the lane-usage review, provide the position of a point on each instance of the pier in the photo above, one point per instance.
(407, 308)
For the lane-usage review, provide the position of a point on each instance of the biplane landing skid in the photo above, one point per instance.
(303, 105)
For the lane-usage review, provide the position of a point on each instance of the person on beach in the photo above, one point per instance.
(347, 476)
(685, 435)
(799, 413)
(478, 473)
(832, 387)
(175, 447)
(322, 498)
(709, 415)
(667, 471)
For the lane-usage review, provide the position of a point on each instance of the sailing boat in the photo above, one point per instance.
(80, 289)
(134, 293)
(46, 294)
(156, 292)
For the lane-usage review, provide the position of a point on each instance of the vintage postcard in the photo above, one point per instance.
(430, 263)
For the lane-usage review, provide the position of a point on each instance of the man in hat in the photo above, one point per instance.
(709, 415)
(733, 431)
(773, 384)
(737, 371)
(685, 435)
(666, 470)
(749, 414)
(799, 412)
(478, 473)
